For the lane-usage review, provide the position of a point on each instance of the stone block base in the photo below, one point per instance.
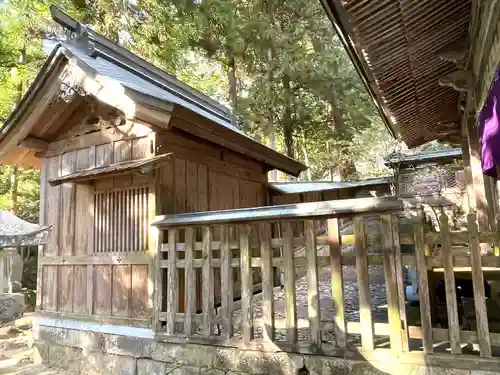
(11, 306)
(91, 353)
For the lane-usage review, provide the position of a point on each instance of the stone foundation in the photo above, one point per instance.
(92, 353)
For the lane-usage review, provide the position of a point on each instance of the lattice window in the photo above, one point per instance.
(121, 220)
(431, 181)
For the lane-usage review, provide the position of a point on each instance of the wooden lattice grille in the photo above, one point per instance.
(428, 182)
(121, 220)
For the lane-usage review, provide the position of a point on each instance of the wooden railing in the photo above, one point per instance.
(263, 239)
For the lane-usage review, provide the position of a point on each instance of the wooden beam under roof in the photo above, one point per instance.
(34, 143)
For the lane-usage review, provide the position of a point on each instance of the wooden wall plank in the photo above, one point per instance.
(423, 283)
(54, 202)
(41, 248)
(49, 298)
(139, 295)
(84, 220)
(267, 281)
(449, 280)
(64, 287)
(84, 207)
(102, 290)
(122, 151)
(180, 186)
(337, 282)
(90, 289)
(203, 188)
(365, 313)
(191, 186)
(104, 154)
(80, 289)
(121, 291)
(290, 293)
(140, 148)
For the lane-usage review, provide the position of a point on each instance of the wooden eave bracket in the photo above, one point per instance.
(34, 143)
(456, 56)
(459, 80)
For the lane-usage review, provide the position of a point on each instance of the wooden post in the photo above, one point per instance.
(246, 284)
(267, 281)
(208, 282)
(190, 283)
(290, 296)
(478, 284)
(484, 211)
(312, 283)
(158, 286)
(226, 281)
(423, 282)
(400, 283)
(391, 283)
(449, 280)
(365, 313)
(337, 282)
(172, 284)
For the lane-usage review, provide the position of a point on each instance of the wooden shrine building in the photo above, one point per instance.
(119, 142)
(163, 221)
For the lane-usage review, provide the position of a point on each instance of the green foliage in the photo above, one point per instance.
(279, 64)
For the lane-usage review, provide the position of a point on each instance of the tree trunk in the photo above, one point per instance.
(287, 119)
(270, 110)
(306, 160)
(14, 188)
(231, 76)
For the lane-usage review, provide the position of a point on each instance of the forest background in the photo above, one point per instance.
(278, 65)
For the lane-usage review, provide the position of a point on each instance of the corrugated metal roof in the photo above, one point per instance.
(424, 157)
(306, 187)
(396, 45)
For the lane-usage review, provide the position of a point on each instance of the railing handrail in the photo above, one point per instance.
(331, 209)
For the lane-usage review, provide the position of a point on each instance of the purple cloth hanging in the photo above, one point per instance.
(488, 125)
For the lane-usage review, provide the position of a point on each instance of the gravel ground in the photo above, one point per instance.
(351, 302)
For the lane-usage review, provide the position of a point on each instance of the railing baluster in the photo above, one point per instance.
(158, 287)
(423, 283)
(312, 283)
(337, 282)
(390, 282)
(190, 283)
(208, 282)
(449, 280)
(290, 296)
(172, 292)
(267, 281)
(246, 284)
(365, 313)
(482, 325)
(400, 284)
(226, 282)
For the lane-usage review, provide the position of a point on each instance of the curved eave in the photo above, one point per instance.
(8, 139)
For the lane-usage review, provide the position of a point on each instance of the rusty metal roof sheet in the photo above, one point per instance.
(307, 187)
(395, 45)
